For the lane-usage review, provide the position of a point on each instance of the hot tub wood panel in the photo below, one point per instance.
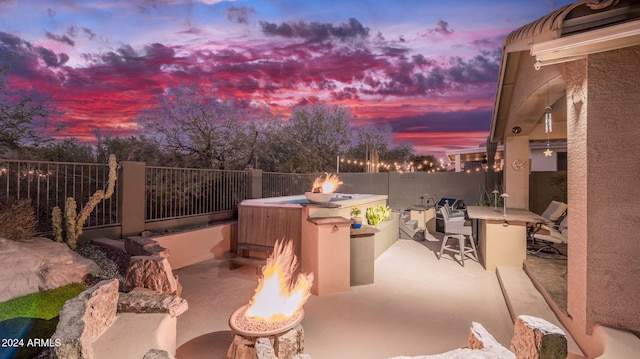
(263, 225)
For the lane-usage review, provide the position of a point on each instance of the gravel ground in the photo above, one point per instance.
(112, 261)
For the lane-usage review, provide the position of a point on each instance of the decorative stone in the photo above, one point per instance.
(147, 234)
(158, 354)
(242, 348)
(536, 338)
(83, 319)
(144, 246)
(481, 345)
(153, 272)
(38, 264)
(143, 300)
(286, 345)
(264, 349)
(290, 343)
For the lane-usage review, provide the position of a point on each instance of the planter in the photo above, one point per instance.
(356, 222)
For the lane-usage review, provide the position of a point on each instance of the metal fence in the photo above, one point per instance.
(170, 192)
(48, 184)
(285, 184)
(181, 192)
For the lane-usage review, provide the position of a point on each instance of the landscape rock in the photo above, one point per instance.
(147, 234)
(290, 343)
(158, 354)
(536, 338)
(144, 246)
(143, 300)
(264, 349)
(83, 319)
(287, 345)
(481, 345)
(38, 264)
(153, 272)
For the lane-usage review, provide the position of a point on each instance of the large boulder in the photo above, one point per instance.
(38, 264)
(83, 319)
(153, 272)
(143, 300)
(158, 354)
(144, 246)
(536, 338)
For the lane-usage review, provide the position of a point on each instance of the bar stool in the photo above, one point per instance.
(454, 228)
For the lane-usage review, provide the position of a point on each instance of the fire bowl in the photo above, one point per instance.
(240, 324)
(318, 197)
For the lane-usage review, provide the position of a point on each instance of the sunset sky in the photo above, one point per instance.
(427, 68)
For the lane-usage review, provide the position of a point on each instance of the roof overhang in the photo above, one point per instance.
(578, 46)
(567, 34)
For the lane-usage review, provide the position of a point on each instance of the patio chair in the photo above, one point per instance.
(451, 212)
(454, 227)
(552, 234)
(554, 213)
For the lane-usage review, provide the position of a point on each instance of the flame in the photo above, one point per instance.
(278, 297)
(328, 184)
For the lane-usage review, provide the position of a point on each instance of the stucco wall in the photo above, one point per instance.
(516, 178)
(613, 149)
(198, 245)
(405, 189)
(603, 103)
(575, 76)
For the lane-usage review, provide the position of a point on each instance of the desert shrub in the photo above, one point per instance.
(17, 219)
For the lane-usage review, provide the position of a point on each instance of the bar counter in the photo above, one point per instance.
(502, 238)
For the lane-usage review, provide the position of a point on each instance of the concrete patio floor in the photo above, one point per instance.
(418, 305)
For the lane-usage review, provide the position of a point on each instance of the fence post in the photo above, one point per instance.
(256, 184)
(132, 198)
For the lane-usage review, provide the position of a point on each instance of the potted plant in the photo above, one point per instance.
(356, 220)
(377, 214)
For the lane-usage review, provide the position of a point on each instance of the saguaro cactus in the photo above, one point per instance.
(74, 222)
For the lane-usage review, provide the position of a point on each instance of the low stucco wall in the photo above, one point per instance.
(198, 245)
(388, 235)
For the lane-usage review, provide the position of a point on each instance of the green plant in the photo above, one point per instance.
(377, 214)
(73, 222)
(43, 305)
(355, 211)
(17, 219)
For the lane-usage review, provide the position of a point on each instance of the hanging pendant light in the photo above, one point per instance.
(548, 120)
(548, 124)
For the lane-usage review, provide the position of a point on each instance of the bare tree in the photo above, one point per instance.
(22, 116)
(375, 144)
(208, 132)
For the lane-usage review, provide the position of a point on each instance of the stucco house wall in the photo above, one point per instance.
(603, 103)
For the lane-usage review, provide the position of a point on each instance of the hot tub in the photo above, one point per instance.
(264, 220)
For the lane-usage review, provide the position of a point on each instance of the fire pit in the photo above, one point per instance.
(275, 311)
(318, 197)
(323, 188)
(240, 324)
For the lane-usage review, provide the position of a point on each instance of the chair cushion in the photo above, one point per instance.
(554, 211)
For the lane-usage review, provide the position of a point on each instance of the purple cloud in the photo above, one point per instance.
(240, 14)
(316, 32)
(60, 38)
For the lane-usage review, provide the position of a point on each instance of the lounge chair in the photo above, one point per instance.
(554, 212)
(551, 234)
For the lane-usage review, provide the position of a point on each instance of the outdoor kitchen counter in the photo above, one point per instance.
(502, 238)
